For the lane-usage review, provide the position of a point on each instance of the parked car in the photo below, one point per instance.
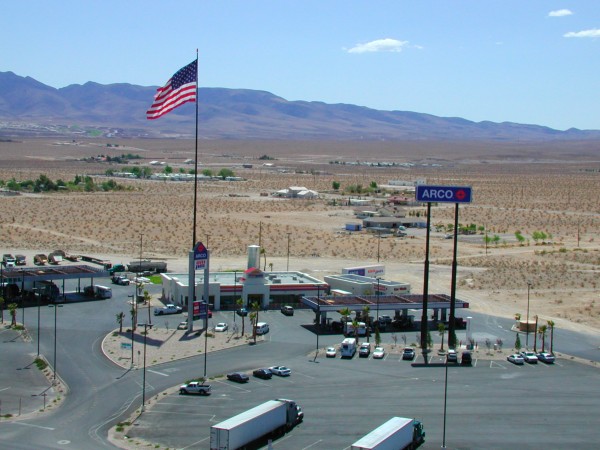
(195, 387)
(182, 325)
(452, 356)
(262, 328)
(331, 352)
(378, 353)
(386, 320)
(168, 309)
(515, 358)
(466, 359)
(529, 357)
(546, 357)
(364, 350)
(242, 312)
(408, 354)
(221, 326)
(238, 377)
(265, 374)
(282, 371)
(287, 310)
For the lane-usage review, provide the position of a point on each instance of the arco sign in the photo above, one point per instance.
(444, 194)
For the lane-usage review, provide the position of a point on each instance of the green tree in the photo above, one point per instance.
(373, 185)
(519, 237)
(168, 170)
(441, 331)
(335, 185)
(225, 172)
(12, 309)
(377, 337)
(518, 343)
(355, 326)
(345, 313)
(207, 173)
(120, 317)
(264, 254)
(2, 301)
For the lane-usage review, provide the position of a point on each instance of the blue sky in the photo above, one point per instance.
(525, 61)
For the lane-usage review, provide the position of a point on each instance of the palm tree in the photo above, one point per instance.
(120, 317)
(12, 308)
(365, 314)
(254, 318)
(355, 325)
(240, 303)
(542, 332)
(264, 253)
(270, 267)
(133, 318)
(551, 325)
(442, 331)
(345, 313)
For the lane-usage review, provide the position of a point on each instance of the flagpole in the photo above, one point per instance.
(196, 158)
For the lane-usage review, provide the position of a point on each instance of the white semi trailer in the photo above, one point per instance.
(271, 419)
(398, 433)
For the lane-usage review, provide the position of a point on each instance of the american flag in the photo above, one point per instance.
(180, 89)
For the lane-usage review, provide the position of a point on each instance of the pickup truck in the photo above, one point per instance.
(120, 280)
(167, 309)
(194, 387)
(8, 260)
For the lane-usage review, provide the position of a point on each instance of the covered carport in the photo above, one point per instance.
(16, 281)
(439, 303)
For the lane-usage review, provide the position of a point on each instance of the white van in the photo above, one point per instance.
(103, 292)
(262, 328)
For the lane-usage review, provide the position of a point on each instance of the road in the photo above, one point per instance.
(102, 394)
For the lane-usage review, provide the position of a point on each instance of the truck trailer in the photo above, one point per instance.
(398, 433)
(271, 419)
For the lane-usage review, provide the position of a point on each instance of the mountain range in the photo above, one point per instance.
(29, 107)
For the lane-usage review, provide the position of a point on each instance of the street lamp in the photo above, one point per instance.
(288, 253)
(234, 293)
(37, 297)
(318, 318)
(378, 243)
(529, 285)
(146, 326)
(133, 318)
(54, 364)
(378, 279)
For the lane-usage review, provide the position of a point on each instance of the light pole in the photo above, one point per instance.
(234, 293)
(318, 318)
(288, 253)
(54, 364)
(146, 326)
(133, 318)
(37, 297)
(378, 243)
(527, 332)
(378, 280)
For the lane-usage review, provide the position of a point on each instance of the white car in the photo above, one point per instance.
(515, 359)
(529, 357)
(378, 353)
(282, 371)
(546, 357)
(221, 326)
(331, 352)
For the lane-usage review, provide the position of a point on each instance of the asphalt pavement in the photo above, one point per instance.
(492, 405)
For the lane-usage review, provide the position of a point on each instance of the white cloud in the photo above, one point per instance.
(380, 45)
(593, 33)
(560, 13)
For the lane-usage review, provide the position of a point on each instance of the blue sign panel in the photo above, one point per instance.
(200, 252)
(444, 194)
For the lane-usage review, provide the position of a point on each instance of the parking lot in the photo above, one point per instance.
(492, 404)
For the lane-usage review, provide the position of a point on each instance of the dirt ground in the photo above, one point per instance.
(518, 190)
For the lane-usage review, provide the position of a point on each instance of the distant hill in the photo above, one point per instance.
(30, 108)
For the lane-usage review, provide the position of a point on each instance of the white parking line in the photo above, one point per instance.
(158, 373)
